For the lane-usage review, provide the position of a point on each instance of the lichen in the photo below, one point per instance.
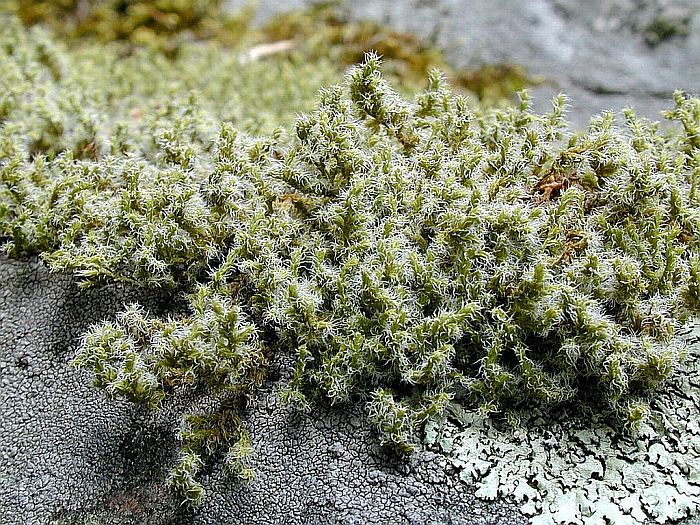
(563, 468)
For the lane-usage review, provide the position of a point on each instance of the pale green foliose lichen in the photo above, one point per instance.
(412, 255)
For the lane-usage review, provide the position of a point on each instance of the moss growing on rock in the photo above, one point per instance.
(320, 34)
(408, 253)
(323, 31)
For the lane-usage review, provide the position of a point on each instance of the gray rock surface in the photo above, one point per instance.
(63, 448)
(604, 54)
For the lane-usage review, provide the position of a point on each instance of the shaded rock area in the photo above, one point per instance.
(604, 54)
(63, 447)
(327, 467)
(69, 456)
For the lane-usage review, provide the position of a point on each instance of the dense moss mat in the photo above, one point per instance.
(410, 253)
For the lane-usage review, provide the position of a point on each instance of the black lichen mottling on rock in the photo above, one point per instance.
(62, 447)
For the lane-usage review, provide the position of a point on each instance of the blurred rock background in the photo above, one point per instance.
(604, 54)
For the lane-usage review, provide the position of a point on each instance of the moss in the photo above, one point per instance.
(574, 466)
(408, 253)
(495, 83)
(158, 23)
(320, 34)
(663, 28)
(323, 32)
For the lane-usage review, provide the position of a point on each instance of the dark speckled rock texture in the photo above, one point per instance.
(63, 448)
(68, 456)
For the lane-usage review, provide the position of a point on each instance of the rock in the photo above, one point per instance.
(604, 54)
(67, 456)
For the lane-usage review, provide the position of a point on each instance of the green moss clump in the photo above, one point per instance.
(119, 106)
(406, 252)
(494, 83)
(322, 31)
(164, 24)
(663, 28)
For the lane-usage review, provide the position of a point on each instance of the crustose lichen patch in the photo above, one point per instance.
(581, 469)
